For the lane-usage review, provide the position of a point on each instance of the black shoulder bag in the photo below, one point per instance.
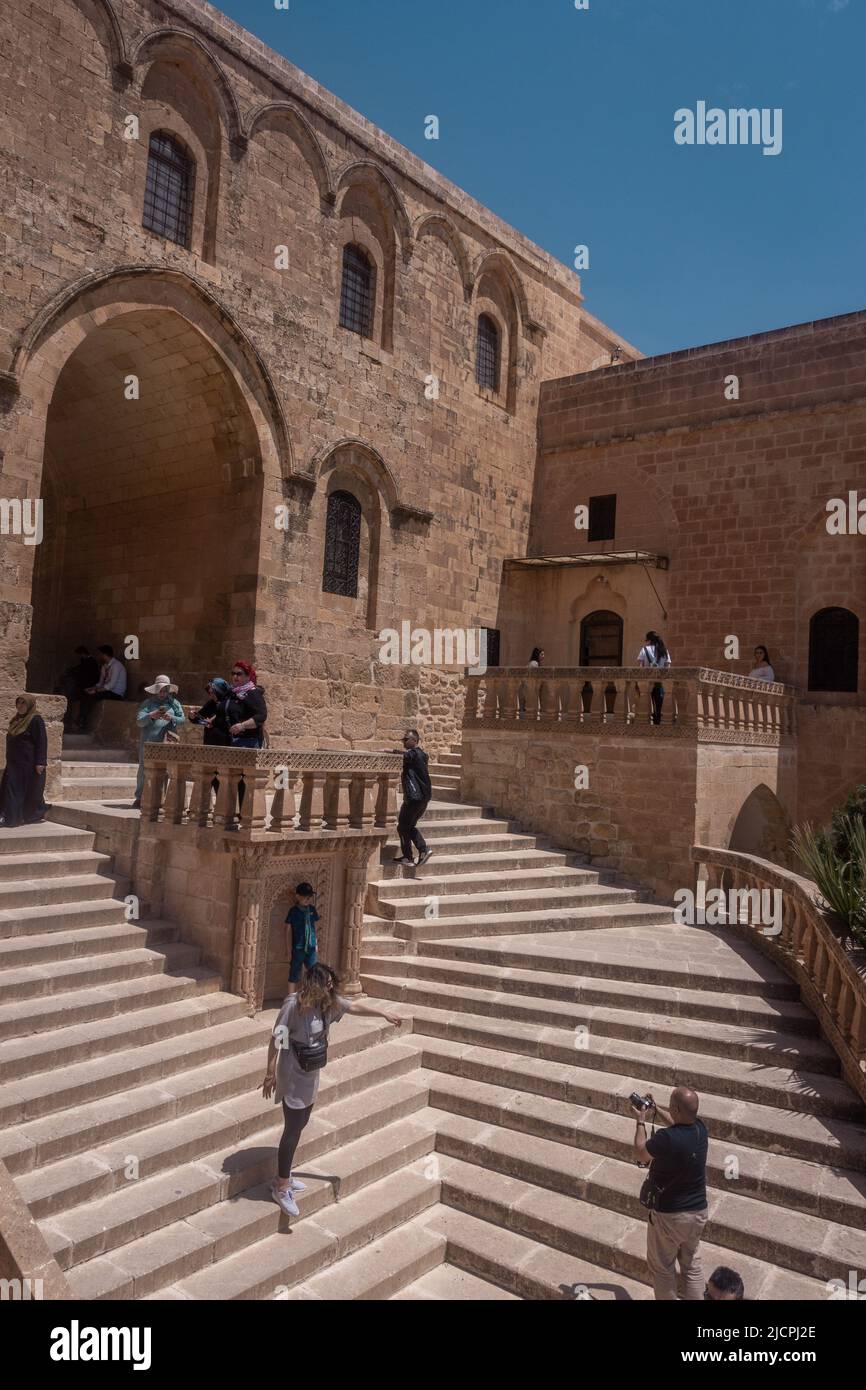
(312, 1056)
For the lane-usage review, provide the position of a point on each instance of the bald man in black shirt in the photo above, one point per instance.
(678, 1164)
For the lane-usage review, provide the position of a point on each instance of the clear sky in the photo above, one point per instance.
(562, 122)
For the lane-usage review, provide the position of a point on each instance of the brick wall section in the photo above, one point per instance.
(735, 494)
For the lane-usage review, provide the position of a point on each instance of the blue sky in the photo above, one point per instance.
(561, 121)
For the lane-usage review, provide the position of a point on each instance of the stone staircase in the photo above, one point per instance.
(92, 773)
(485, 1154)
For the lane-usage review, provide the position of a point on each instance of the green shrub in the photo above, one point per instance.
(836, 861)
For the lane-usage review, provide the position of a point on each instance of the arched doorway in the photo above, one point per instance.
(600, 645)
(153, 497)
(762, 828)
(601, 639)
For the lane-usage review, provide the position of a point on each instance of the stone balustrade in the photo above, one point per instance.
(284, 792)
(809, 947)
(706, 705)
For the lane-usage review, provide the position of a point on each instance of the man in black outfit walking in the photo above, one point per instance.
(417, 792)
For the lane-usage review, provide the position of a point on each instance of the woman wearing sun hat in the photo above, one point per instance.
(156, 715)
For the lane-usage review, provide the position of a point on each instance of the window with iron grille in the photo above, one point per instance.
(602, 518)
(356, 293)
(487, 353)
(342, 545)
(168, 192)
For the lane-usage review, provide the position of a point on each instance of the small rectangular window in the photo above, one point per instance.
(602, 518)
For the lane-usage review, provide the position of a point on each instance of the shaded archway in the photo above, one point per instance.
(152, 482)
(762, 828)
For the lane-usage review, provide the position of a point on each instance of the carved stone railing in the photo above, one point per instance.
(706, 705)
(809, 947)
(273, 790)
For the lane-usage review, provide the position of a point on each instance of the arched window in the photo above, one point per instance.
(357, 291)
(834, 638)
(487, 353)
(168, 192)
(342, 545)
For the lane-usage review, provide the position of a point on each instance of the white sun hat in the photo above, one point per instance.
(159, 684)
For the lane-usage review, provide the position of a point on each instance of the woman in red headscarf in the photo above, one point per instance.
(245, 708)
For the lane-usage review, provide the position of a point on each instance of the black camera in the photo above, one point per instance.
(641, 1102)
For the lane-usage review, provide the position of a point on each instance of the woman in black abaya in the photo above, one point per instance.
(22, 790)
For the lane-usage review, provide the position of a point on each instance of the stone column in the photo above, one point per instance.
(355, 891)
(250, 931)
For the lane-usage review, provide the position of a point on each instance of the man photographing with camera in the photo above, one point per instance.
(675, 1190)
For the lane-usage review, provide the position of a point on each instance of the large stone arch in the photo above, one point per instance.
(223, 430)
(67, 319)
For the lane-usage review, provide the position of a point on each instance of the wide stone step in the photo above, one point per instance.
(48, 892)
(514, 882)
(746, 1011)
(382, 1182)
(26, 924)
(609, 1239)
(680, 957)
(60, 1047)
(60, 1011)
(457, 813)
(591, 1025)
(522, 1268)
(830, 1195)
(381, 946)
(111, 933)
(97, 788)
(47, 837)
(819, 1139)
(456, 867)
(30, 1097)
(204, 1083)
(99, 1226)
(450, 1284)
(617, 910)
(89, 754)
(56, 864)
(795, 1240)
(77, 769)
(538, 901)
(380, 1271)
(229, 1109)
(794, 1089)
(36, 982)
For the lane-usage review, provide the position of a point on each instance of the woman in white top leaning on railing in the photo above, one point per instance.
(655, 654)
(763, 670)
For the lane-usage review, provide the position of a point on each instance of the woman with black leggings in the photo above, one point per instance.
(303, 1023)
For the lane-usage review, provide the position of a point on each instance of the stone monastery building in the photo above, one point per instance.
(271, 389)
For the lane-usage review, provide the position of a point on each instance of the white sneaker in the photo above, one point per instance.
(285, 1201)
(295, 1185)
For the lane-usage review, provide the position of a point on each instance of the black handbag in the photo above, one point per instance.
(412, 787)
(650, 1193)
(312, 1056)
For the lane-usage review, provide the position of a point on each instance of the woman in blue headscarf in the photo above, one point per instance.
(212, 715)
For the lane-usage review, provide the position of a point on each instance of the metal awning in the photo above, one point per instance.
(609, 557)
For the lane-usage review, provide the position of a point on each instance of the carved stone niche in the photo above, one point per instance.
(266, 881)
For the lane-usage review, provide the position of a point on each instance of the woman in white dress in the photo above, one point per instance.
(763, 670)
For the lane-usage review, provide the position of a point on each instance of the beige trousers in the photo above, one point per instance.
(674, 1237)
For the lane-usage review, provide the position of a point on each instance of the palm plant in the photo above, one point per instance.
(838, 868)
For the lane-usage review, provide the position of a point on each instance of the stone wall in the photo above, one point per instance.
(193, 516)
